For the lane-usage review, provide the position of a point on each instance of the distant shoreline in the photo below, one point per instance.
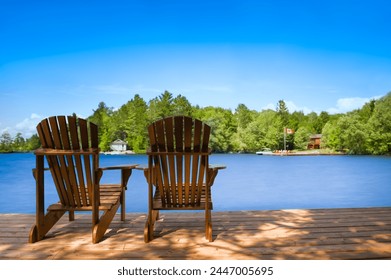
(305, 153)
(295, 153)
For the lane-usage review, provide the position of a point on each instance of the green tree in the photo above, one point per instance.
(296, 120)
(283, 112)
(312, 122)
(265, 131)
(321, 121)
(182, 106)
(33, 143)
(367, 110)
(161, 106)
(330, 136)
(353, 134)
(6, 142)
(379, 126)
(19, 143)
(136, 124)
(302, 136)
(101, 117)
(222, 124)
(243, 117)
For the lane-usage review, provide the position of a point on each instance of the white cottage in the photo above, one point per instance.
(118, 146)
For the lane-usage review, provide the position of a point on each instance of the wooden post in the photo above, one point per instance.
(40, 196)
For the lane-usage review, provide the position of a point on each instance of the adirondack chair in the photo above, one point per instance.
(70, 146)
(178, 174)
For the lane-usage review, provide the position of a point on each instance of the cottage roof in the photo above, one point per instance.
(119, 142)
(316, 136)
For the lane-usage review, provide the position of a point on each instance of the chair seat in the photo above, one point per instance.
(109, 196)
(158, 204)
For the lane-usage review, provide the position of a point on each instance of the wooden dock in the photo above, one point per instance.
(363, 233)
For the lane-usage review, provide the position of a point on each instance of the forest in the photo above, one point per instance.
(363, 131)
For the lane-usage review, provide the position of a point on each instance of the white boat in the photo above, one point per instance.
(264, 152)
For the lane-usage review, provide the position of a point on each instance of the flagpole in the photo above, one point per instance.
(284, 139)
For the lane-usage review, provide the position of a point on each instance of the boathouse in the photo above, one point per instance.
(118, 146)
(315, 141)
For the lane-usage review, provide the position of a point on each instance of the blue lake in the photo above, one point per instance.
(250, 182)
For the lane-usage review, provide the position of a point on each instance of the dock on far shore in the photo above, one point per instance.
(298, 153)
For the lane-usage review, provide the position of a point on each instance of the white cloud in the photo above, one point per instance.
(6, 129)
(343, 105)
(292, 107)
(348, 104)
(269, 106)
(28, 126)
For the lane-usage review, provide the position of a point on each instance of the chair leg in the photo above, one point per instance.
(150, 225)
(148, 228)
(208, 226)
(125, 174)
(39, 230)
(123, 209)
(71, 216)
(103, 224)
(155, 215)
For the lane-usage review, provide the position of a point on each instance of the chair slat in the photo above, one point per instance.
(162, 144)
(74, 134)
(64, 129)
(196, 189)
(205, 139)
(188, 126)
(179, 158)
(179, 133)
(171, 187)
(84, 143)
(94, 135)
(156, 160)
(45, 137)
(59, 126)
(59, 164)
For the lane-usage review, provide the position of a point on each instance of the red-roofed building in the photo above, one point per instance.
(315, 141)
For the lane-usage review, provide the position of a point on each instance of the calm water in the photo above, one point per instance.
(250, 182)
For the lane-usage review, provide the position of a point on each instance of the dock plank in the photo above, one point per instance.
(356, 233)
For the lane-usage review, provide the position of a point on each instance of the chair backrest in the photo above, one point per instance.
(179, 155)
(72, 154)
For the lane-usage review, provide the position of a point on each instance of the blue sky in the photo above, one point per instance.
(64, 57)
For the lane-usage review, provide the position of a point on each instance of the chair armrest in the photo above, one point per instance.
(34, 170)
(142, 167)
(217, 166)
(213, 170)
(58, 152)
(118, 167)
(149, 153)
(126, 171)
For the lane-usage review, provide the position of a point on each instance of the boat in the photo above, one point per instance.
(264, 152)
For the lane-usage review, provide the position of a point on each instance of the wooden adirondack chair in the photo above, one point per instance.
(70, 146)
(178, 173)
